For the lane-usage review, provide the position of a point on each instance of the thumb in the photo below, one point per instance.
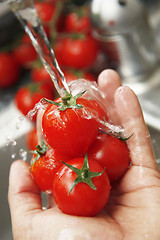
(23, 194)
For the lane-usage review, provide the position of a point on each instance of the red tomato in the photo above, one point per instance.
(26, 97)
(41, 75)
(82, 200)
(25, 54)
(72, 74)
(70, 131)
(45, 11)
(25, 38)
(76, 52)
(31, 139)
(100, 111)
(9, 70)
(112, 153)
(78, 21)
(45, 168)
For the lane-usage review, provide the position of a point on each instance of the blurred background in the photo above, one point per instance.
(91, 36)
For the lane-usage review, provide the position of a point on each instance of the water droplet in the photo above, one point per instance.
(10, 141)
(40, 105)
(23, 154)
(158, 160)
(44, 208)
(13, 143)
(19, 122)
(13, 155)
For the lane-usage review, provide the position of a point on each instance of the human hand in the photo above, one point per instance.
(133, 209)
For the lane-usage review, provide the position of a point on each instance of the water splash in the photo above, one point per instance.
(19, 122)
(23, 154)
(12, 144)
(13, 155)
(41, 105)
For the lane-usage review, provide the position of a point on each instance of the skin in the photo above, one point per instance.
(133, 209)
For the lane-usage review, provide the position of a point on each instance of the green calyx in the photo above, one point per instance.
(34, 87)
(68, 102)
(84, 175)
(40, 151)
(76, 36)
(116, 135)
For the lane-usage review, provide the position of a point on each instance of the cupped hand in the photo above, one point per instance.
(133, 210)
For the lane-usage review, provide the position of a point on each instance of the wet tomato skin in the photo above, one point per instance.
(112, 153)
(45, 168)
(82, 200)
(99, 108)
(71, 131)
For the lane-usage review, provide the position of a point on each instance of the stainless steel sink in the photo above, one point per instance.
(5, 162)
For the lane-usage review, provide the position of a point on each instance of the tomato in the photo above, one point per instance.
(31, 139)
(70, 130)
(75, 196)
(9, 70)
(45, 167)
(100, 111)
(45, 11)
(27, 96)
(73, 74)
(77, 51)
(25, 54)
(78, 20)
(40, 74)
(112, 153)
(25, 38)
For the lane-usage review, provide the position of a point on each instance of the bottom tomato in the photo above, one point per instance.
(81, 187)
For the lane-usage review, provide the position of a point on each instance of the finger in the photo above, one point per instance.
(132, 120)
(108, 82)
(23, 194)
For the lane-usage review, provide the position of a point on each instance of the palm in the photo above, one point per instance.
(124, 217)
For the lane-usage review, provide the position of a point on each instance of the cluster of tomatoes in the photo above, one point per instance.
(76, 161)
(78, 158)
(67, 25)
(68, 28)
